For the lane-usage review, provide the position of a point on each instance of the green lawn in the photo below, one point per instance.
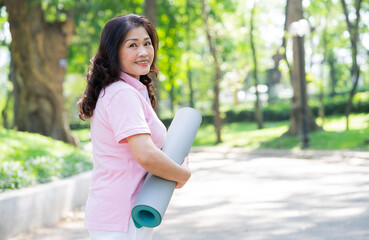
(334, 136)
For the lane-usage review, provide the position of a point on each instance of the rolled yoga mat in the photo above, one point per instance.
(155, 194)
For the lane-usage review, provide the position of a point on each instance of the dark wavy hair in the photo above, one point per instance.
(104, 68)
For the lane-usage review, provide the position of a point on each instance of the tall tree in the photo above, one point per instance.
(151, 12)
(258, 112)
(329, 55)
(353, 29)
(295, 13)
(188, 49)
(39, 51)
(216, 112)
(281, 53)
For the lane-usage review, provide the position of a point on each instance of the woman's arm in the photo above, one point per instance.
(156, 161)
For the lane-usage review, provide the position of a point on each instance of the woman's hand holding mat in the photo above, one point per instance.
(185, 165)
(155, 194)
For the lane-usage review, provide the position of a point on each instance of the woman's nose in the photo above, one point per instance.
(142, 51)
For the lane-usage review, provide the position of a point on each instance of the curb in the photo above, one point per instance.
(41, 205)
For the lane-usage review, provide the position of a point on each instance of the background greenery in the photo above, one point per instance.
(334, 136)
(27, 159)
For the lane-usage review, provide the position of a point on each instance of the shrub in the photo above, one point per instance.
(281, 111)
(27, 159)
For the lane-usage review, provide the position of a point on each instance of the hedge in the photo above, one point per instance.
(275, 114)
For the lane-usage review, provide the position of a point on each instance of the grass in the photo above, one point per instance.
(27, 159)
(334, 136)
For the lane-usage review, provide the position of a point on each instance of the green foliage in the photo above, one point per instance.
(56, 10)
(281, 110)
(333, 137)
(184, 50)
(74, 86)
(27, 159)
(336, 105)
(83, 135)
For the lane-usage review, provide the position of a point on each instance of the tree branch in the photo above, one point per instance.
(345, 11)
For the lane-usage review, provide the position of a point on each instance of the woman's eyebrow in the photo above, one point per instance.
(136, 39)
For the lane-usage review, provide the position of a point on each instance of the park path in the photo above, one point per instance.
(235, 194)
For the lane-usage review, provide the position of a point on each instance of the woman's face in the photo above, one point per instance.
(136, 53)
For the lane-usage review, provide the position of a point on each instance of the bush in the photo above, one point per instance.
(79, 124)
(27, 159)
(281, 111)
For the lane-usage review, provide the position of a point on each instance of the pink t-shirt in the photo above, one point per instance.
(122, 110)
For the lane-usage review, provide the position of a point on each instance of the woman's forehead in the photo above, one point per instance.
(137, 33)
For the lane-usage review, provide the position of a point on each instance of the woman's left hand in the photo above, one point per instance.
(185, 166)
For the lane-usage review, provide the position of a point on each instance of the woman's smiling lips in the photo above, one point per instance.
(143, 62)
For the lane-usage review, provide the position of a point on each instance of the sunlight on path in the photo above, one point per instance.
(237, 197)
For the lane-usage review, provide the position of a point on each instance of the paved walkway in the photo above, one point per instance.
(267, 195)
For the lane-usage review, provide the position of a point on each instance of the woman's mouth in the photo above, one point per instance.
(143, 63)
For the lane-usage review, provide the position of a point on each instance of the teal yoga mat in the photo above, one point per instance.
(155, 194)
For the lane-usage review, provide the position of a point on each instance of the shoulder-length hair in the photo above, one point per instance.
(104, 68)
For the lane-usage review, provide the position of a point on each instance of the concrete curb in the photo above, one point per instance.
(41, 205)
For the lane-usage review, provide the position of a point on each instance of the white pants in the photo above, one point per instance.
(132, 234)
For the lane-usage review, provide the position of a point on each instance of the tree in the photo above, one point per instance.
(258, 113)
(353, 29)
(217, 78)
(325, 19)
(294, 13)
(39, 51)
(188, 49)
(151, 12)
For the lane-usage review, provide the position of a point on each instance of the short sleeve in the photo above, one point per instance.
(126, 115)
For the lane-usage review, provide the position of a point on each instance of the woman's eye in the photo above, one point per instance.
(147, 43)
(133, 45)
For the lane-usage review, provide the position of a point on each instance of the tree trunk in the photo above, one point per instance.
(332, 73)
(295, 13)
(190, 84)
(281, 51)
(188, 49)
(329, 56)
(172, 89)
(217, 119)
(151, 12)
(284, 42)
(353, 29)
(39, 52)
(258, 113)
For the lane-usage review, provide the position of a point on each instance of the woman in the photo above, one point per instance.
(126, 133)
